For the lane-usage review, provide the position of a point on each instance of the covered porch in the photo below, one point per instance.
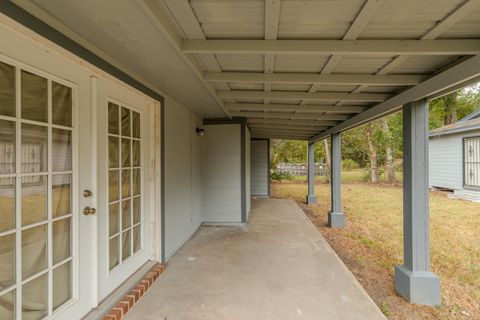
(277, 266)
(129, 125)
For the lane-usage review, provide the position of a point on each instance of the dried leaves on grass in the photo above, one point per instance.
(371, 244)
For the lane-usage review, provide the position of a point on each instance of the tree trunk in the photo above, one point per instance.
(328, 162)
(389, 164)
(450, 108)
(373, 154)
(327, 152)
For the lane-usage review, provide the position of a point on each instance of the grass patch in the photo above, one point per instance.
(349, 177)
(372, 244)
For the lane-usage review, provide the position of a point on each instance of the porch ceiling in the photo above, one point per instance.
(299, 69)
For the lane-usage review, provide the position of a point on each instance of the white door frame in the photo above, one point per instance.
(81, 226)
(109, 91)
(33, 51)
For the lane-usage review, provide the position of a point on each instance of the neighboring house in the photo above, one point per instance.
(455, 157)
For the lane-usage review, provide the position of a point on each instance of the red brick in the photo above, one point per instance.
(141, 288)
(146, 284)
(130, 299)
(138, 291)
(136, 294)
(116, 314)
(149, 280)
(159, 269)
(123, 306)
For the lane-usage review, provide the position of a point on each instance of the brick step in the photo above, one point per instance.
(131, 298)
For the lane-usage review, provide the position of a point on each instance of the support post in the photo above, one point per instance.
(413, 279)
(336, 218)
(311, 197)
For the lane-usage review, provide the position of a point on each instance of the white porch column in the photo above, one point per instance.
(311, 197)
(413, 280)
(336, 218)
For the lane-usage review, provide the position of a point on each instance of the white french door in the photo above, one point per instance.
(44, 239)
(76, 183)
(125, 176)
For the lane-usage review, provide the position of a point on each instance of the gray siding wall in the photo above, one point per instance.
(259, 171)
(247, 170)
(445, 162)
(183, 175)
(222, 174)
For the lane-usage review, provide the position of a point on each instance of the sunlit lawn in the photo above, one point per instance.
(372, 244)
(350, 176)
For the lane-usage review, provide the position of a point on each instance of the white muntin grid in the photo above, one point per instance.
(48, 175)
(130, 229)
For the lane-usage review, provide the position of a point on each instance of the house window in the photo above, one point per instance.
(472, 161)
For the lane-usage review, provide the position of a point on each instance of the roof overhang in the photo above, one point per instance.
(440, 133)
(299, 72)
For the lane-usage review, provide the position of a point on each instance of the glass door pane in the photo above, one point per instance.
(124, 188)
(37, 173)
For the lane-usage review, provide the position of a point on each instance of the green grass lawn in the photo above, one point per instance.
(351, 176)
(372, 244)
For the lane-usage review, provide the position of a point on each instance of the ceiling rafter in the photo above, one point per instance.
(343, 47)
(293, 108)
(297, 133)
(309, 78)
(284, 115)
(188, 23)
(453, 17)
(272, 19)
(287, 127)
(285, 134)
(293, 122)
(296, 95)
(358, 25)
(163, 25)
(456, 75)
(278, 136)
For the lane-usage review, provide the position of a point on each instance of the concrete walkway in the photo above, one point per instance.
(277, 267)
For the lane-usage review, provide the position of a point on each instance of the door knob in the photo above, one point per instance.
(89, 211)
(87, 193)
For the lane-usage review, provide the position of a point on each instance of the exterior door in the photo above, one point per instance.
(45, 240)
(125, 177)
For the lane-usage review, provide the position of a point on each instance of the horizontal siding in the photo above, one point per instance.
(248, 169)
(222, 168)
(183, 165)
(259, 167)
(446, 162)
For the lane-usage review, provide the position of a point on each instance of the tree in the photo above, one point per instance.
(327, 153)
(379, 143)
(328, 160)
(372, 152)
(443, 110)
(450, 108)
(389, 161)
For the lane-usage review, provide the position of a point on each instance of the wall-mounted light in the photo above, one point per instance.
(200, 131)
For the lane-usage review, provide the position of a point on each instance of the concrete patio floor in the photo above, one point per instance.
(277, 267)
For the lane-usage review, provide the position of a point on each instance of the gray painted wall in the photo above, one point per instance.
(259, 162)
(221, 201)
(446, 160)
(183, 175)
(247, 171)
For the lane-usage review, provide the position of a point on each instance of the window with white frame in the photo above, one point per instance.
(471, 148)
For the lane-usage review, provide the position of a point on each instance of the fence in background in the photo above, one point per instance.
(300, 169)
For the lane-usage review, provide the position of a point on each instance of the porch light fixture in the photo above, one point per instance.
(200, 131)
